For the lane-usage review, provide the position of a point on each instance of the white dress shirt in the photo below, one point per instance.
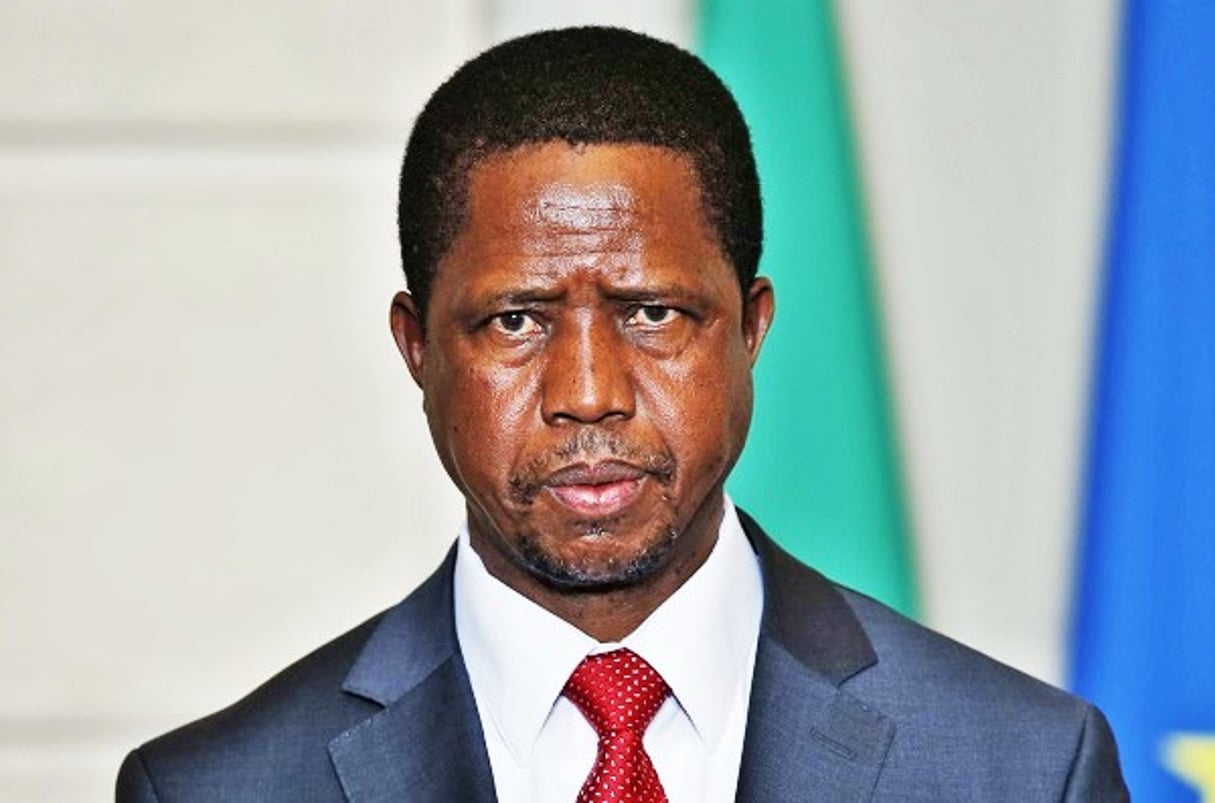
(701, 640)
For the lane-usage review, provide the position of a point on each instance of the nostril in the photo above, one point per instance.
(588, 389)
(587, 371)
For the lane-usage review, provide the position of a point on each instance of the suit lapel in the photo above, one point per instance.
(426, 743)
(808, 739)
(426, 746)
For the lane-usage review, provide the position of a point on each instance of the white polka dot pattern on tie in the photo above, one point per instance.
(619, 693)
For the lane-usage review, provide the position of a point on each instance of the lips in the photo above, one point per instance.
(597, 490)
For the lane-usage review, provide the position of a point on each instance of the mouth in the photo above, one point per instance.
(597, 490)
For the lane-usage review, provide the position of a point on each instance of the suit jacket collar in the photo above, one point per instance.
(426, 744)
(806, 614)
(805, 734)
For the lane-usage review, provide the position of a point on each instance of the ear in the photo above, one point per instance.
(758, 310)
(409, 333)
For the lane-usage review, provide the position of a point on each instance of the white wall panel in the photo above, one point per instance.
(211, 457)
(983, 132)
(214, 459)
(273, 64)
(672, 20)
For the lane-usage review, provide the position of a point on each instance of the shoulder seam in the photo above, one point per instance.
(147, 773)
(1071, 767)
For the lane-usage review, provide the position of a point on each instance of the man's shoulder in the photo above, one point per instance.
(280, 728)
(308, 690)
(911, 655)
(1015, 734)
(945, 721)
(890, 655)
(335, 681)
(276, 742)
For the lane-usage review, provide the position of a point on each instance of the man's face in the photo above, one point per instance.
(586, 365)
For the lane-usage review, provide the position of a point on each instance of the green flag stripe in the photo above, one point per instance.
(821, 469)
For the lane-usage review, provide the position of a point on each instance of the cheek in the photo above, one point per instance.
(702, 404)
(484, 418)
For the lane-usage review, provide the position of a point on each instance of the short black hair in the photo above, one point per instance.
(589, 86)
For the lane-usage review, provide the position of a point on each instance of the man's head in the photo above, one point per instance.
(582, 86)
(586, 340)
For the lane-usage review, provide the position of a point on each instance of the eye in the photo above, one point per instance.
(653, 315)
(515, 323)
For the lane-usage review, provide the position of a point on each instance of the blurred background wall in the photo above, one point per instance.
(211, 458)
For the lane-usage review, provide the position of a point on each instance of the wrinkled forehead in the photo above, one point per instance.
(584, 188)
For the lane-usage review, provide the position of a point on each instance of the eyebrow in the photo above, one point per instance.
(660, 292)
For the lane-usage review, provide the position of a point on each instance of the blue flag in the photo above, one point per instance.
(1144, 631)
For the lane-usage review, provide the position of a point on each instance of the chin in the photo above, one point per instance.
(596, 573)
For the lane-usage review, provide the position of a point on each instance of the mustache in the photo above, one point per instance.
(590, 447)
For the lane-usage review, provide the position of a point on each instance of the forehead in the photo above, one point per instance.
(592, 189)
(658, 173)
(626, 219)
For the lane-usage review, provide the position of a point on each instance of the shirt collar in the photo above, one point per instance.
(518, 655)
(701, 640)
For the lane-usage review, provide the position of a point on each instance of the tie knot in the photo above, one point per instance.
(617, 691)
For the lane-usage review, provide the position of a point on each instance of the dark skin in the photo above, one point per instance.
(586, 373)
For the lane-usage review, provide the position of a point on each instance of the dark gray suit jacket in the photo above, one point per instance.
(850, 702)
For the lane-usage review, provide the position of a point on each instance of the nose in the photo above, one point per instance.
(586, 374)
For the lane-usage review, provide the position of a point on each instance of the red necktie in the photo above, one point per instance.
(619, 693)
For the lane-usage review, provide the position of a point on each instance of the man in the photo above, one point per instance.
(580, 229)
